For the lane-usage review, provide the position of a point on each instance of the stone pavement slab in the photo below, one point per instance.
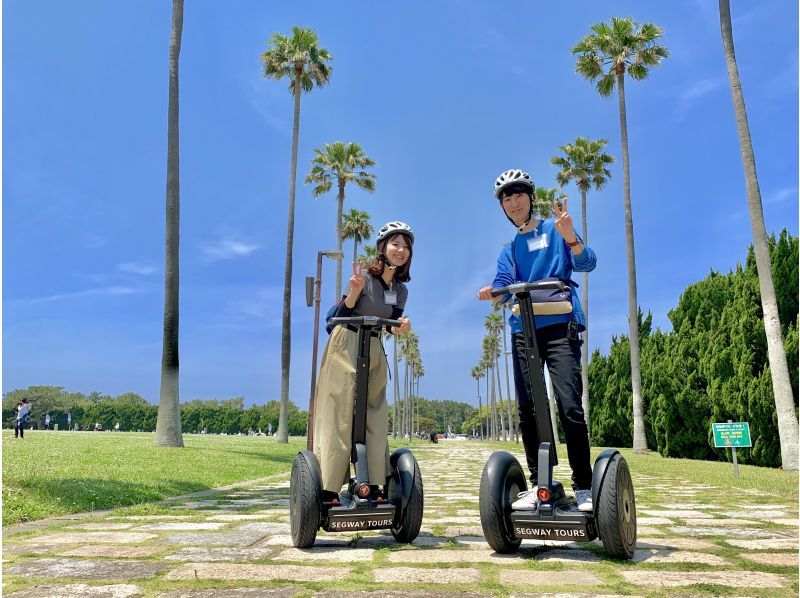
(84, 569)
(79, 590)
(326, 555)
(678, 556)
(199, 554)
(418, 575)
(732, 579)
(232, 593)
(112, 551)
(760, 544)
(238, 571)
(780, 559)
(549, 578)
(93, 537)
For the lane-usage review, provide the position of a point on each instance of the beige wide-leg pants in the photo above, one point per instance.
(333, 410)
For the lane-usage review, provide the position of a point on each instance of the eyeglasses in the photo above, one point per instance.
(514, 190)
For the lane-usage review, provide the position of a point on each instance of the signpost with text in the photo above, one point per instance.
(732, 435)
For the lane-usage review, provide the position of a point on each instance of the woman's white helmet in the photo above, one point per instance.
(512, 177)
(393, 228)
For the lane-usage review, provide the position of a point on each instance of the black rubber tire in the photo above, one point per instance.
(305, 500)
(410, 520)
(496, 496)
(615, 510)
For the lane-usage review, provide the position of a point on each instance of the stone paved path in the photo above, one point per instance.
(236, 543)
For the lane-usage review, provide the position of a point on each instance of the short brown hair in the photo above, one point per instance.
(375, 265)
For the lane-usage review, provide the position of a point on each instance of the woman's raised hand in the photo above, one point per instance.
(357, 279)
(564, 224)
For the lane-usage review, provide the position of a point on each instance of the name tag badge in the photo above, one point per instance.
(390, 297)
(537, 243)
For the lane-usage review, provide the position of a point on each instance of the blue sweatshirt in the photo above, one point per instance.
(543, 253)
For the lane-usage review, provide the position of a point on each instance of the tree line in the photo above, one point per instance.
(711, 367)
(134, 413)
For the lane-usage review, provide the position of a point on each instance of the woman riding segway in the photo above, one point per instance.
(351, 414)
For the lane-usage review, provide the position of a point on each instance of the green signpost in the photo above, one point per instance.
(732, 435)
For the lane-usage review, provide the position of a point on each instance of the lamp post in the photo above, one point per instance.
(316, 283)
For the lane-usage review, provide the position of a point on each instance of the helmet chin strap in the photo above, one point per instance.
(385, 260)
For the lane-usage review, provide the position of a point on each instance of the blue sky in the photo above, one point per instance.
(443, 95)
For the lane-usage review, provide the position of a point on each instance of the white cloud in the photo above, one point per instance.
(137, 268)
(226, 249)
(693, 93)
(108, 291)
(782, 195)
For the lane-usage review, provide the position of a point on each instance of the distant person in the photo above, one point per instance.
(69, 420)
(23, 415)
(116, 427)
(434, 438)
(47, 421)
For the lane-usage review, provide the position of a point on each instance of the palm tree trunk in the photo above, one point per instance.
(480, 408)
(282, 435)
(515, 417)
(495, 423)
(585, 356)
(339, 208)
(355, 252)
(168, 424)
(639, 436)
(503, 424)
(781, 387)
(489, 427)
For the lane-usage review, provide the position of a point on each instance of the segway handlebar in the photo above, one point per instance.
(522, 287)
(371, 321)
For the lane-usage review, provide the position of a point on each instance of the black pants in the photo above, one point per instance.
(19, 428)
(563, 359)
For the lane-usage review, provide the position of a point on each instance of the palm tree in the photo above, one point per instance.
(356, 226)
(477, 374)
(606, 55)
(396, 394)
(494, 324)
(543, 199)
(585, 163)
(340, 163)
(168, 424)
(369, 252)
(781, 386)
(513, 414)
(299, 58)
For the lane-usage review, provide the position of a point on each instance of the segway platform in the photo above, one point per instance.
(349, 518)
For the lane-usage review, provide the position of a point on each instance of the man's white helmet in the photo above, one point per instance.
(392, 228)
(512, 177)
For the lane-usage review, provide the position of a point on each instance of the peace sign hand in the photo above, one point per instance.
(564, 224)
(357, 279)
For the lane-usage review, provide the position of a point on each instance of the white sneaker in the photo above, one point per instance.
(584, 498)
(526, 500)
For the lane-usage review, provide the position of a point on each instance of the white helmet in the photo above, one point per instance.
(392, 228)
(512, 177)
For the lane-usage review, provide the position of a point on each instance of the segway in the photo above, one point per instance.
(358, 510)
(557, 516)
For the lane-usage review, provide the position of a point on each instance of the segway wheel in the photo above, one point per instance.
(305, 499)
(502, 480)
(407, 526)
(615, 510)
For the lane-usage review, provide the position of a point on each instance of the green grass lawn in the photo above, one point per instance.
(55, 473)
(773, 482)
